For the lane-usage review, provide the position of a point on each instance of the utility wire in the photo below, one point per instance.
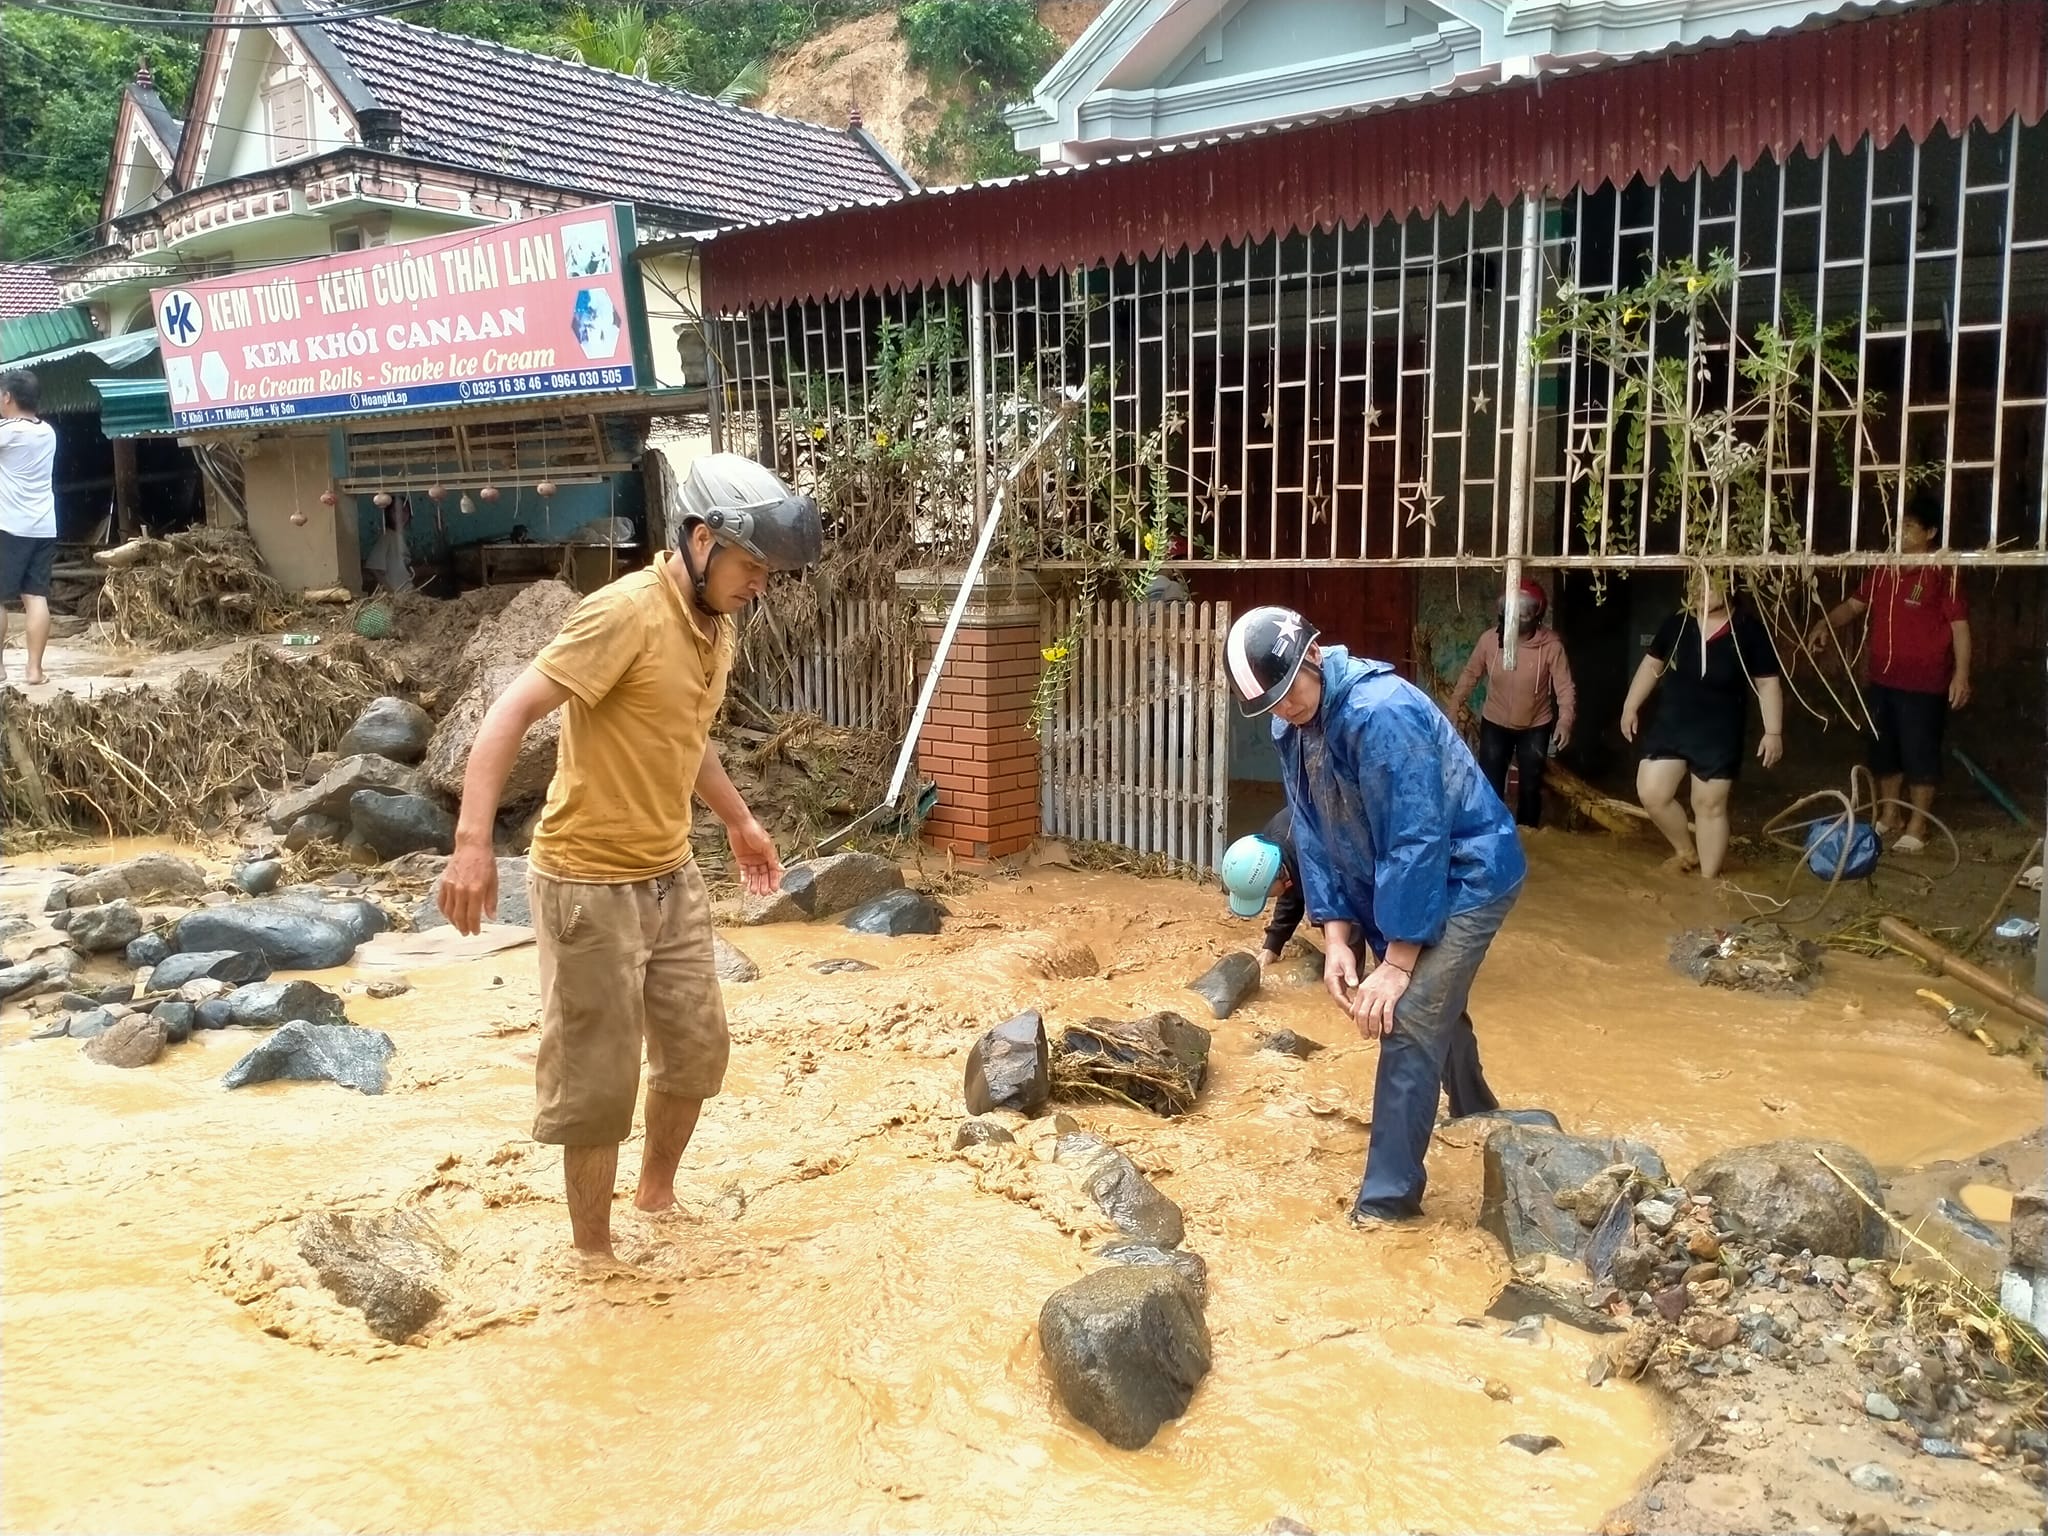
(111, 14)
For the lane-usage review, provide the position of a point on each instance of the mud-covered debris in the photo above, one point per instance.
(1227, 983)
(387, 1267)
(1526, 1168)
(1288, 1043)
(1122, 1192)
(1159, 1062)
(1535, 1445)
(1191, 1266)
(1749, 957)
(980, 1133)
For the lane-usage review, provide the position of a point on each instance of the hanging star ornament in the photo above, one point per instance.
(1372, 417)
(1419, 504)
(1481, 403)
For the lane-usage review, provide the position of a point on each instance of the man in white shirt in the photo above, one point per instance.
(28, 514)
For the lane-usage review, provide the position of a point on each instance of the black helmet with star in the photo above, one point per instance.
(1265, 649)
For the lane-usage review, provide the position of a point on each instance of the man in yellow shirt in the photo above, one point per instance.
(620, 912)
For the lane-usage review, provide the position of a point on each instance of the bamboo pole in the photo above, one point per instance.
(1616, 816)
(1947, 963)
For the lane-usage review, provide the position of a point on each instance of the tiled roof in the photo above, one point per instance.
(462, 101)
(27, 289)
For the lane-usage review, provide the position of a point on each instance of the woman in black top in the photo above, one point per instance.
(1709, 665)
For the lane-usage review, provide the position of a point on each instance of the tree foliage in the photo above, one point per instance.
(989, 53)
(60, 92)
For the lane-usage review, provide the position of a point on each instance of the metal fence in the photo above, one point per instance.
(1344, 397)
(1137, 746)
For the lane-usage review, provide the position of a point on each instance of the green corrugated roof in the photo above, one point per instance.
(134, 407)
(24, 336)
(67, 373)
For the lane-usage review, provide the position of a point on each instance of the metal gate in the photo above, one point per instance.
(1136, 747)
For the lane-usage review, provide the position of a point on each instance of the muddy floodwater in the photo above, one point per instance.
(837, 1331)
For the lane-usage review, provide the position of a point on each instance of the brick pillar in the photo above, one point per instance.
(977, 744)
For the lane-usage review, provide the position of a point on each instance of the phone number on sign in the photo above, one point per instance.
(544, 383)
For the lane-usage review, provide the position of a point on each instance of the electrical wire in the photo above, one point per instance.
(114, 15)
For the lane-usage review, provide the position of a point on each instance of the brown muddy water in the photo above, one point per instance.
(837, 1330)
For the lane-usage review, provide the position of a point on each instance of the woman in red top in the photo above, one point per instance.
(1917, 668)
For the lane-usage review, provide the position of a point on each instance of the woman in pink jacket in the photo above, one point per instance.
(1528, 712)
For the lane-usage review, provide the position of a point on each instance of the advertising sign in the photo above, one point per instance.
(513, 312)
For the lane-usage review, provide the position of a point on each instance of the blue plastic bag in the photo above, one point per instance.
(1824, 855)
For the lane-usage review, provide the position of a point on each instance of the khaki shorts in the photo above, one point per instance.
(620, 964)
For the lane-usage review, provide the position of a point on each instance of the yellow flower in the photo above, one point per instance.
(1054, 653)
(1630, 315)
(881, 439)
(1695, 284)
(817, 434)
(1151, 543)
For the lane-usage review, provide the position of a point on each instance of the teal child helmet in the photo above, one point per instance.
(1249, 870)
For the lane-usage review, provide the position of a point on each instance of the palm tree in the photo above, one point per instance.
(624, 40)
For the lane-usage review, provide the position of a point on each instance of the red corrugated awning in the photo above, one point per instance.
(1949, 64)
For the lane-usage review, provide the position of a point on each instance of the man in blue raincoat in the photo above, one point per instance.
(1404, 848)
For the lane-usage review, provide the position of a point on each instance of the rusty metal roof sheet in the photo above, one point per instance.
(1885, 69)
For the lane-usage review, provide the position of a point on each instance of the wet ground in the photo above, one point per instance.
(837, 1330)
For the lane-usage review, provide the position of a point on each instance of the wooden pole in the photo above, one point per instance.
(127, 488)
(1947, 963)
(1615, 815)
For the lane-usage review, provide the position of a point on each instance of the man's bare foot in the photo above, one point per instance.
(1682, 863)
(36, 678)
(654, 1201)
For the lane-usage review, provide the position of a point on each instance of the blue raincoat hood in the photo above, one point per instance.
(1395, 827)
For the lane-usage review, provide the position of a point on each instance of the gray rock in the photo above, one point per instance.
(386, 1267)
(101, 930)
(513, 905)
(389, 727)
(336, 1053)
(1121, 1190)
(17, 979)
(1189, 1266)
(395, 825)
(148, 878)
(1288, 1043)
(497, 653)
(732, 966)
(61, 921)
(150, 950)
(1633, 1269)
(56, 1029)
(13, 927)
(1010, 1067)
(1657, 1215)
(1609, 1234)
(76, 1002)
(176, 1018)
(1878, 1406)
(232, 967)
(1958, 1236)
(267, 1004)
(2027, 1237)
(1535, 1445)
(823, 887)
(895, 914)
(133, 1041)
(361, 920)
(288, 936)
(91, 1023)
(340, 784)
(212, 1014)
(1780, 1193)
(1541, 1119)
(1160, 1061)
(840, 967)
(1227, 983)
(1872, 1478)
(1526, 1167)
(259, 877)
(202, 989)
(1521, 1300)
(980, 1133)
(314, 828)
(1126, 1347)
(119, 992)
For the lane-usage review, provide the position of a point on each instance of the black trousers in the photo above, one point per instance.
(1531, 750)
(1464, 1080)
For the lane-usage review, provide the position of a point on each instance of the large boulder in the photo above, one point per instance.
(1010, 1067)
(176, 1018)
(312, 1053)
(1780, 1193)
(287, 935)
(496, 654)
(231, 967)
(1526, 1169)
(1126, 1347)
(1159, 1061)
(1187, 1263)
(513, 905)
(1227, 983)
(386, 1267)
(824, 887)
(103, 929)
(395, 825)
(151, 877)
(389, 727)
(267, 1004)
(135, 1040)
(362, 920)
(1122, 1192)
(894, 914)
(330, 797)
